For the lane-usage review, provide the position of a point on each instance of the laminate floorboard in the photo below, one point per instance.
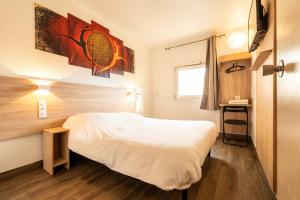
(231, 173)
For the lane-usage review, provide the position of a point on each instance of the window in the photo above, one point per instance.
(189, 81)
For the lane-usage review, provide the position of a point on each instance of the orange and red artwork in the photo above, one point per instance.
(50, 29)
(86, 45)
(129, 60)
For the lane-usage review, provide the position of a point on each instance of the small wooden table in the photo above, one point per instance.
(55, 147)
(236, 108)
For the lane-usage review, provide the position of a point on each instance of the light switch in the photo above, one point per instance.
(42, 108)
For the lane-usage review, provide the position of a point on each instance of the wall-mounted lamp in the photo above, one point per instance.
(136, 100)
(43, 86)
(133, 92)
(43, 89)
(130, 93)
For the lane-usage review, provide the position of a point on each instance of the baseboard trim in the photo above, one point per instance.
(21, 170)
(253, 149)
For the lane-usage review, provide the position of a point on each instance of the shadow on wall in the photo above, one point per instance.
(4, 71)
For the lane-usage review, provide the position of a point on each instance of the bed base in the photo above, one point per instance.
(184, 193)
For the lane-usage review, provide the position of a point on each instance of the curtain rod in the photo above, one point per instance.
(184, 44)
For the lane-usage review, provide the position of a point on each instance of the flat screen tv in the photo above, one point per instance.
(257, 25)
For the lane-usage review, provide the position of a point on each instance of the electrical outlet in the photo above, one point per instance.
(42, 108)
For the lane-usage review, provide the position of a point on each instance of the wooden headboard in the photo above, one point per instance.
(19, 104)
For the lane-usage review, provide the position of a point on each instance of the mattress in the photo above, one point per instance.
(165, 153)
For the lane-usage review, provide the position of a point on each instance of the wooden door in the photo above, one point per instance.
(288, 101)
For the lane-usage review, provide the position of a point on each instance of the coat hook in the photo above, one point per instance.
(270, 69)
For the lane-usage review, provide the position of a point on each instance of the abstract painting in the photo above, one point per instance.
(50, 29)
(129, 60)
(86, 45)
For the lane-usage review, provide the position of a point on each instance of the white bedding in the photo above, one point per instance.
(165, 153)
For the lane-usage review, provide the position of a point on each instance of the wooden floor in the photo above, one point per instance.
(231, 173)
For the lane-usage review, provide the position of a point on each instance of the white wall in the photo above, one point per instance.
(163, 79)
(18, 57)
(20, 151)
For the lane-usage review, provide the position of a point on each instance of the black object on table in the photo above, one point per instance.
(238, 122)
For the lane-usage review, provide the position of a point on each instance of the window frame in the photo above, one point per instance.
(190, 66)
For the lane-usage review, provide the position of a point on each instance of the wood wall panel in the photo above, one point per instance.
(235, 84)
(265, 122)
(266, 103)
(19, 104)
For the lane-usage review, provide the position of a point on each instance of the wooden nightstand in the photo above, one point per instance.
(55, 147)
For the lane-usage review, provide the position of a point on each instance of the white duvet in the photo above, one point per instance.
(165, 153)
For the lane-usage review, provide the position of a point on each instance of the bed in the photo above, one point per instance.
(166, 153)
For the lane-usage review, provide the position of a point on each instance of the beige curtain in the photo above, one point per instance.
(210, 98)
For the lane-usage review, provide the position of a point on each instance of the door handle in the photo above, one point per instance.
(270, 69)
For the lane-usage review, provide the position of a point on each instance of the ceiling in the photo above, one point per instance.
(159, 21)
